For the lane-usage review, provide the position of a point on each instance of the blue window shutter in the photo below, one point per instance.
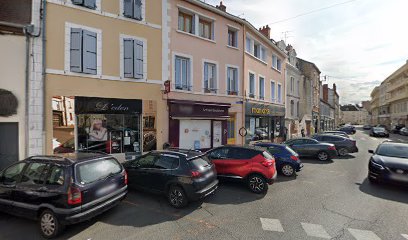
(90, 3)
(229, 89)
(206, 82)
(137, 10)
(128, 58)
(178, 72)
(138, 59)
(235, 79)
(78, 2)
(76, 50)
(128, 8)
(89, 52)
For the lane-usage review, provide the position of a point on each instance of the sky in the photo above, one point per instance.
(357, 44)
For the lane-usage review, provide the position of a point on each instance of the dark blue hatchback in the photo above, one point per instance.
(287, 160)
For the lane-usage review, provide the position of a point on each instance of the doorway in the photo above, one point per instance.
(8, 144)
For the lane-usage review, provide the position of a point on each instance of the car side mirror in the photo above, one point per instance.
(371, 151)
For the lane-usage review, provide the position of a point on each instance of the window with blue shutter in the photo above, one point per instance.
(182, 73)
(138, 59)
(261, 88)
(86, 3)
(232, 83)
(133, 58)
(210, 77)
(251, 85)
(273, 91)
(83, 51)
(133, 9)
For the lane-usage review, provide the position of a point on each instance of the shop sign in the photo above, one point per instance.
(198, 109)
(264, 110)
(87, 105)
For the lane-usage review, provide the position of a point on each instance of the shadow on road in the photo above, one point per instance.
(385, 191)
(345, 157)
(315, 161)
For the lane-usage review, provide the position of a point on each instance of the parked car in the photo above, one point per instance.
(287, 160)
(382, 126)
(348, 129)
(389, 163)
(181, 175)
(404, 131)
(343, 145)
(62, 189)
(379, 132)
(396, 129)
(252, 165)
(367, 127)
(308, 147)
(340, 133)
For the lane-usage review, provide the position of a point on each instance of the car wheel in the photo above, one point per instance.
(323, 156)
(257, 183)
(343, 152)
(287, 170)
(177, 197)
(49, 225)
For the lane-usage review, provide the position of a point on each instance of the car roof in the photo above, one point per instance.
(269, 144)
(256, 148)
(331, 135)
(394, 143)
(189, 154)
(69, 158)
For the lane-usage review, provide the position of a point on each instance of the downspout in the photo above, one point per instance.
(243, 84)
(43, 18)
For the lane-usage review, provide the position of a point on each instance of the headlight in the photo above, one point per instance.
(377, 165)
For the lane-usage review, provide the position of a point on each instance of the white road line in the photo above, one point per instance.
(363, 234)
(315, 230)
(271, 225)
(405, 236)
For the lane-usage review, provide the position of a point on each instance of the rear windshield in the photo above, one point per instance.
(200, 162)
(267, 155)
(399, 151)
(92, 171)
(291, 151)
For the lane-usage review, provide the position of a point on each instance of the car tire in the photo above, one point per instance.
(257, 183)
(50, 226)
(177, 197)
(323, 156)
(287, 170)
(343, 152)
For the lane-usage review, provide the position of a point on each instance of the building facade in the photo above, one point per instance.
(107, 58)
(397, 92)
(353, 114)
(327, 109)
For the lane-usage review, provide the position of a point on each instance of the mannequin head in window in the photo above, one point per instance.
(97, 131)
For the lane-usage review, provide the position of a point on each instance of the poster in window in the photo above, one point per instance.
(97, 132)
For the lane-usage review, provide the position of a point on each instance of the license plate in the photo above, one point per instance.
(105, 190)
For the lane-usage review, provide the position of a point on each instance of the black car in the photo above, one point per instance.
(397, 128)
(343, 145)
(307, 147)
(367, 127)
(181, 175)
(389, 163)
(379, 132)
(348, 129)
(62, 190)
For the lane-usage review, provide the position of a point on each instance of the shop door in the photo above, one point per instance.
(217, 134)
(195, 134)
(8, 144)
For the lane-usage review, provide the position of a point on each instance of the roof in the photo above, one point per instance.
(348, 108)
(307, 62)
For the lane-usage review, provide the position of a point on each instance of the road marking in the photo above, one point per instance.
(315, 230)
(363, 234)
(271, 225)
(405, 236)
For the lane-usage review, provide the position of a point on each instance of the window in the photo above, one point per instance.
(34, 174)
(251, 85)
(298, 87)
(292, 108)
(263, 54)
(11, 174)
(205, 29)
(182, 73)
(166, 162)
(257, 50)
(279, 64)
(292, 84)
(248, 44)
(186, 22)
(132, 9)
(56, 176)
(93, 171)
(210, 78)
(133, 58)
(86, 3)
(83, 53)
(220, 153)
(232, 81)
(279, 93)
(232, 38)
(231, 130)
(261, 88)
(273, 90)
(276, 63)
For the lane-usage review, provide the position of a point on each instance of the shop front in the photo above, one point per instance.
(198, 125)
(264, 122)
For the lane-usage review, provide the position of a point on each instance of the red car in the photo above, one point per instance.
(253, 165)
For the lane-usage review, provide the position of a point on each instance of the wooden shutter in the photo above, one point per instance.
(90, 4)
(137, 11)
(128, 8)
(138, 48)
(128, 58)
(76, 50)
(89, 52)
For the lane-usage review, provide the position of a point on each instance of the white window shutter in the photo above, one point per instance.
(177, 72)
(128, 8)
(229, 87)
(206, 82)
(76, 50)
(138, 61)
(89, 52)
(137, 10)
(128, 58)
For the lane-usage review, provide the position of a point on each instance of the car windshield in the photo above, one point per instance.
(390, 150)
(378, 129)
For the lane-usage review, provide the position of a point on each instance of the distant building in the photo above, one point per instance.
(354, 115)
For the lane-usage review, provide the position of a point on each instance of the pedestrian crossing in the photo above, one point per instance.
(318, 231)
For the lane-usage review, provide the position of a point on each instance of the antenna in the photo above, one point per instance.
(285, 35)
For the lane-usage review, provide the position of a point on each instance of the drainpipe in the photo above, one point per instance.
(243, 83)
(43, 18)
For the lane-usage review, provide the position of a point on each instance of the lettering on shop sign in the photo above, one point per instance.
(213, 110)
(264, 111)
(101, 106)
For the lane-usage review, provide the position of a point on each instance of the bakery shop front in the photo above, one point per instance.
(197, 125)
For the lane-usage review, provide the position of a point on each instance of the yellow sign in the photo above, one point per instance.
(264, 111)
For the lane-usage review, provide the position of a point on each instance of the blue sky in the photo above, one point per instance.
(357, 44)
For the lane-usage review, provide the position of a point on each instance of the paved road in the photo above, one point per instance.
(331, 200)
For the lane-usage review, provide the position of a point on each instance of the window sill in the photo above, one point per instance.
(279, 71)
(193, 35)
(258, 59)
(232, 47)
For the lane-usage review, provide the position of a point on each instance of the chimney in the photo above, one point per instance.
(334, 88)
(289, 48)
(266, 31)
(222, 7)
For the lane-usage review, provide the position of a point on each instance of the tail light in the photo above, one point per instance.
(126, 178)
(195, 174)
(294, 158)
(74, 196)
(332, 148)
(268, 163)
